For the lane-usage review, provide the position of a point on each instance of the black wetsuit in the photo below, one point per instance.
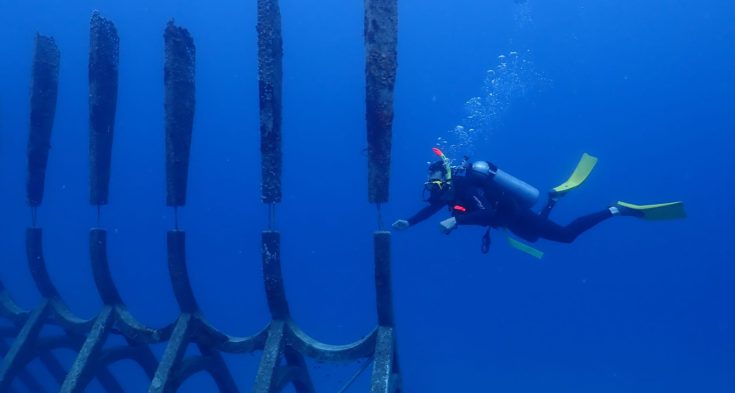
(486, 204)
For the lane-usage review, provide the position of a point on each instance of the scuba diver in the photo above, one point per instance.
(479, 193)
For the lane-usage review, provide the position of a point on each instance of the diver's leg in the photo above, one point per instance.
(566, 234)
(527, 225)
(531, 227)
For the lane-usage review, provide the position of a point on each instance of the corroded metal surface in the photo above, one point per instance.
(180, 102)
(381, 36)
(284, 347)
(270, 75)
(282, 341)
(44, 91)
(104, 54)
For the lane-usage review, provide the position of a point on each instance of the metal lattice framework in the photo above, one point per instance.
(283, 344)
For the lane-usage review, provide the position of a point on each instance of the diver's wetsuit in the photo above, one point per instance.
(488, 205)
(532, 226)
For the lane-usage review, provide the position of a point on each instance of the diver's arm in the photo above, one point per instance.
(425, 213)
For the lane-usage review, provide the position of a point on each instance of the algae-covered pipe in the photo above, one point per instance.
(176, 241)
(104, 50)
(37, 264)
(381, 33)
(179, 105)
(274, 288)
(44, 91)
(270, 74)
(383, 287)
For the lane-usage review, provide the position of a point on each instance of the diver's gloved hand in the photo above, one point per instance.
(401, 225)
(448, 225)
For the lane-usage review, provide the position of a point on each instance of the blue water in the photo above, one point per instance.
(631, 306)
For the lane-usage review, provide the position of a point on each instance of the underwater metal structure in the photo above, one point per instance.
(284, 347)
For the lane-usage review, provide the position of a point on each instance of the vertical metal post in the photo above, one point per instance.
(275, 292)
(381, 241)
(270, 70)
(104, 49)
(180, 103)
(44, 91)
(381, 37)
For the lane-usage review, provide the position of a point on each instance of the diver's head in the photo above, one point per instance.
(437, 171)
(436, 180)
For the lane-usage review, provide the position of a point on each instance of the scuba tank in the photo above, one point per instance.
(525, 194)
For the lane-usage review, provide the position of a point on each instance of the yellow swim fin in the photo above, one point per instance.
(523, 247)
(660, 211)
(580, 174)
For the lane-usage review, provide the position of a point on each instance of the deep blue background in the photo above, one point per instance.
(632, 306)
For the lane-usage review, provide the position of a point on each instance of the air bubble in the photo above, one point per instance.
(512, 78)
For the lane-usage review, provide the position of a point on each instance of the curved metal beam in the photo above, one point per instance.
(303, 343)
(101, 267)
(138, 333)
(8, 308)
(231, 344)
